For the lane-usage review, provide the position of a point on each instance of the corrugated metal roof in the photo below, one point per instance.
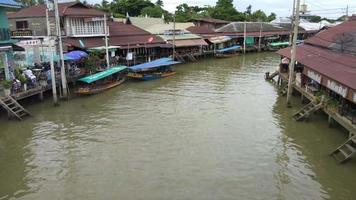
(189, 43)
(200, 30)
(211, 20)
(9, 4)
(339, 37)
(121, 29)
(334, 65)
(122, 41)
(185, 36)
(69, 9)
(250, 27)
(145, 22)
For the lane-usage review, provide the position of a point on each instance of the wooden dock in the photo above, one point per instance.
(346, 150)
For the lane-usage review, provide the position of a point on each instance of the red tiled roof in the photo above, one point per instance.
(64, 9)
(334, 65)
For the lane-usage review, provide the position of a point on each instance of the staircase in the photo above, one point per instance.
(345, 151)
(191, 57)
(269, 77)
(307, 110)
(13, 107)
(284, 90)
(180, 58)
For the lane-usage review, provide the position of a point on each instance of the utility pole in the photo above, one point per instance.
(244, 37)
(347, 13)
(174, 35)
(60, 44)
(47, 23)
(292, 24)
(293, 56)
(106, 43)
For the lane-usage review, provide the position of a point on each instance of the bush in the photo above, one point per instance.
(22, 78)
(7, 84)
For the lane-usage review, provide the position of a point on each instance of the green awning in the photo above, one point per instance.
(103, 74)
(279, 44)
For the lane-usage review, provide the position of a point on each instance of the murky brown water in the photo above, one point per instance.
(216, 130)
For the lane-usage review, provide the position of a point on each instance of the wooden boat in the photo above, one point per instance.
(221, 55)
(102, 81)
(97, 88)
(150, 76)
(153, 70)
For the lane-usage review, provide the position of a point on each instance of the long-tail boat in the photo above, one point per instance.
(227, 52)
(156, 69)
(102, 81)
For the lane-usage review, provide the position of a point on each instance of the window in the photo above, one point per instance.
(21, 25)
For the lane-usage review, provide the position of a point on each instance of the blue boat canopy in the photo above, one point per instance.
(9, 4)
(233, 48)
(153, 64)
(103, 74)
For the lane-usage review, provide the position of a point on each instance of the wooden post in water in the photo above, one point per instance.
(293, 54)
(53, 75)
(244, 37)
(260, 38)
(174, 36)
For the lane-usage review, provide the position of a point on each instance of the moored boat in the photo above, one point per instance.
(156, 69)
(102, 81)
(227, 52)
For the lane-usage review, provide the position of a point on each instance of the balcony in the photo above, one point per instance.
(4, 34)
(84, 27)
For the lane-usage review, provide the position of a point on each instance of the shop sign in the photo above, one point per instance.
(316, 77)
(339, 89)
(29, 43)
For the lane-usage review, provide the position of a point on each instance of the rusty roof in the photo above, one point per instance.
(64, 9)
(200, 30)
(339, 38)
(334, 65)
(122, 29)
(211, 20)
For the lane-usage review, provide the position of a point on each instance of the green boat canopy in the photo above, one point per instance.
(279, 44)
(103, 74)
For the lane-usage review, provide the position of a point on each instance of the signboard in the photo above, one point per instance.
(315, 76)
(338, 88)
(21, 33)
(129, 56)
(29, 43)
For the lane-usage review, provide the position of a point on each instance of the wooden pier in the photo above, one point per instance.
(346, 150)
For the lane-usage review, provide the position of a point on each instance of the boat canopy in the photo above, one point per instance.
(153, 64)
(233, 48)
(103, 74)
(279, 44)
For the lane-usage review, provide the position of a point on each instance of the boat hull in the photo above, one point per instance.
(150, 77)
(100, 88)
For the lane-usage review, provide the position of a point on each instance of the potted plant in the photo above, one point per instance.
(23, 80)
(7, 87)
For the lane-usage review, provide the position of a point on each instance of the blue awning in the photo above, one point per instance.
(9, 4)
(153, 64)
(233, 48)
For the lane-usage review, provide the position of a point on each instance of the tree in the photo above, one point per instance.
(272, 17)
(315, 19)
(248, 10)
(159, 3)
(258, 15)
(155, 11)
(133, 7)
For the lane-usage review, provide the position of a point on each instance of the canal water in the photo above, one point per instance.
(216, 130)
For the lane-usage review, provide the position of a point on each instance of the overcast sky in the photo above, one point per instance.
(325, 8)
(280, 7)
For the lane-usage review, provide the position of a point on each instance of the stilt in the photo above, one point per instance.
(40, 95)
(331, 121)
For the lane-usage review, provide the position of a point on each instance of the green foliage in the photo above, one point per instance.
(6, 84)
(315, 19)
(17, 72)
(92, 62)
(132, 7)
(155, 11)
(159, 3)
(272, 17)
(22, 78)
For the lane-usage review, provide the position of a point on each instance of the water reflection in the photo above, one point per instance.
(217, 130)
